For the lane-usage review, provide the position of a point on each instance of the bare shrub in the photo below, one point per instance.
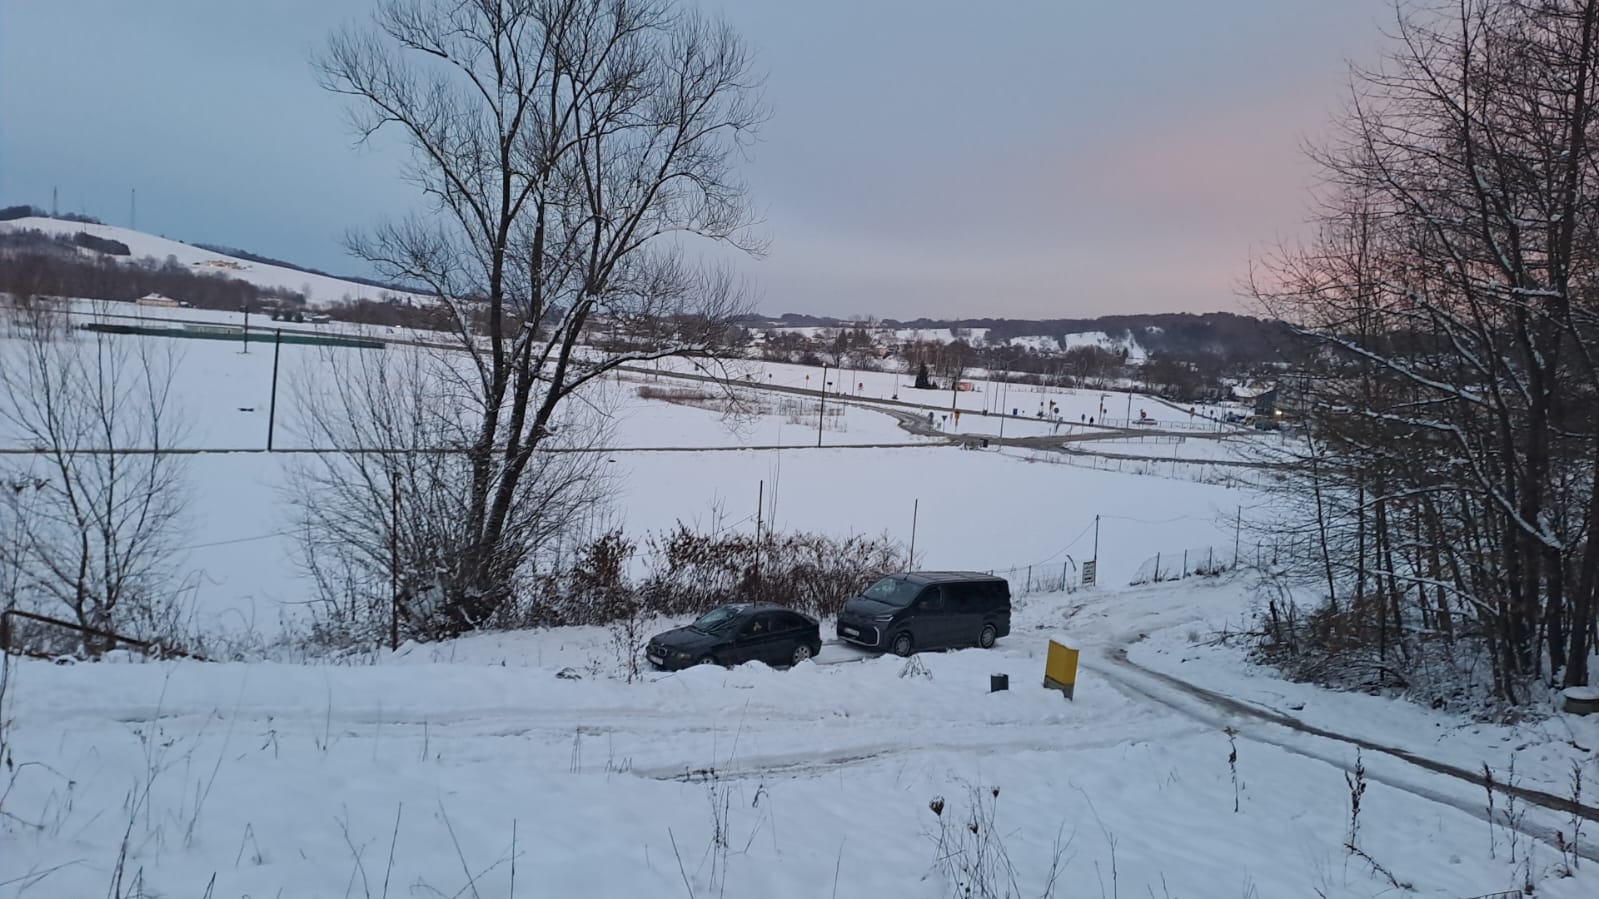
(94, 515)
(685, 572)
(971, 854)
(691, 572)
(385, 521)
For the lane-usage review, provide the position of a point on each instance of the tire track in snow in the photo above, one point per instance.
(821, 762)
(1215, 709)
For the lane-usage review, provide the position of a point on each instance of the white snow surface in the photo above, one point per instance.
(1036, 342)
(439, 769)
(433, 768)
(1136, 354)
(978, 510)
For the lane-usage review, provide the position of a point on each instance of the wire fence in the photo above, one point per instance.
(1224, 474)
(1026, 580)
(1206, 561)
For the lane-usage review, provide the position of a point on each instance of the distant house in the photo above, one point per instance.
(1266, 402)
(1251, 390)
(155, 299)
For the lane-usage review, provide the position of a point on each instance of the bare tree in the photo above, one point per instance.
(94, 515)
(570, 151)
(380, 516)
(1449, 306)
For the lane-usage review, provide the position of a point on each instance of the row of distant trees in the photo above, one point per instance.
(12, 213)
(1185, 376)
(1449, 302)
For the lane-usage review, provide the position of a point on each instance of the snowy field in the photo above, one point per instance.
(524, 764)
(992, 394)
(979, 510)
(473, 769)
(1227, 448)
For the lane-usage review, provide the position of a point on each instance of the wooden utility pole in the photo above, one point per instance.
(394, 561)
(823, 413)
(272, 410)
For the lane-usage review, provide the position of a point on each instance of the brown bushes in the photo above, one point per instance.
(684, 572)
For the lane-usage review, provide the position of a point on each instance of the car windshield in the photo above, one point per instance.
(716, 619)
(893, 591)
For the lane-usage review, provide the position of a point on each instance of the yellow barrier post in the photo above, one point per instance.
(1060, 668)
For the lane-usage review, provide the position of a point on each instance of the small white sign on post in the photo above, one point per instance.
(1088, 572)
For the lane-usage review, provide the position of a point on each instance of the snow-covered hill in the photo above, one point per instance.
(321, 290)
(1136, 354)
(1046, 344)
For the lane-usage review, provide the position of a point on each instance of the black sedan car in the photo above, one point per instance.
(738, 633)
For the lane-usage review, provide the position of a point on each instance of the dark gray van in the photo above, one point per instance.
(916, 610)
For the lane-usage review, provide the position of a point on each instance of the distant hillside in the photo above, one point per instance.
(237, 253)
(1235, 339)
(272, 275)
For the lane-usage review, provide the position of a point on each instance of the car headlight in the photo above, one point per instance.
(887, 616)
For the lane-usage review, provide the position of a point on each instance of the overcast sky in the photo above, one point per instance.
(1021, 158)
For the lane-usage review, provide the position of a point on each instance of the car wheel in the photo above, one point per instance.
(902, 645)
(707, 660)
(802, 653)
(987, 637)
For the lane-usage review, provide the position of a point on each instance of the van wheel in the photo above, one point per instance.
(902, 645)
(987, 637)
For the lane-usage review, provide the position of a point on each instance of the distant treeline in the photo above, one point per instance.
(1236, 339)
(12, 213)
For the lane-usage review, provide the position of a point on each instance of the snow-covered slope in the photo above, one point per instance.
(319, 289)
(973, 336)
(1135, 352)
(1038, 342)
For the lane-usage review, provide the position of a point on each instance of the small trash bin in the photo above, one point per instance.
(998, 682)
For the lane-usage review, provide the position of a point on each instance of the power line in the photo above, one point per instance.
(231, 542)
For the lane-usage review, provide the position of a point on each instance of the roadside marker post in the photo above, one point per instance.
(1060, 668)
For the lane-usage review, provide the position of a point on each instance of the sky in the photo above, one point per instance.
(940, 158)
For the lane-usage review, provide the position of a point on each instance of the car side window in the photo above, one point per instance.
(788, 621)
(932, 599)
(761, 624)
